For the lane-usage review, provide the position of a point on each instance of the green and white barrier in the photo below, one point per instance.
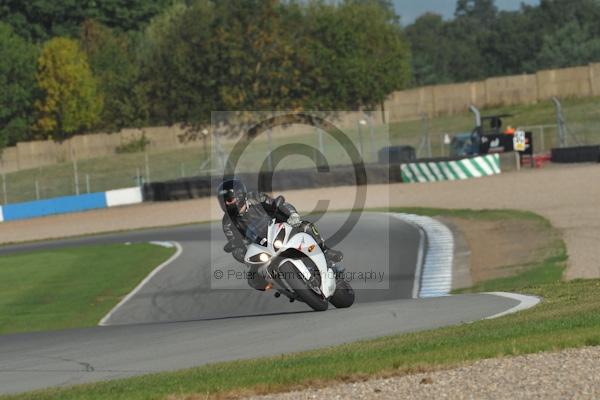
(466, 168)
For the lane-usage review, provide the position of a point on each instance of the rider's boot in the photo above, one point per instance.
(334, 257)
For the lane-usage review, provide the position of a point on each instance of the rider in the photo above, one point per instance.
(249, 214)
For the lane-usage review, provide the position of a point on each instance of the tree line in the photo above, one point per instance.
(73, 66)
(481, 41)
(174, 62)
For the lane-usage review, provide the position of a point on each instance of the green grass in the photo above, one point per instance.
(68, 288)
(568, 317)
(582, 117)
(120, 170)
(548, 269)
(484, 214)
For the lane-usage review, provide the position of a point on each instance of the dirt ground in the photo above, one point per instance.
(502, 248)
(569, 196)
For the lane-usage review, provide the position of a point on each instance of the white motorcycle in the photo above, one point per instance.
(295, 266)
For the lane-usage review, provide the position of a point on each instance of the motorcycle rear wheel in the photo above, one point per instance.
(298, 283)
(343, 297)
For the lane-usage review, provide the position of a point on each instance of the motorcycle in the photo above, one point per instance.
(294, 265)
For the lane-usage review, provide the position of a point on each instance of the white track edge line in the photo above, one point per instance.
(420, 260)
(156, 270)
(525, 302)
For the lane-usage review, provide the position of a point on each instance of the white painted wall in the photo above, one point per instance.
(121, 197)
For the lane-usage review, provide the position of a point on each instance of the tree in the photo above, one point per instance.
(17, 80)
(180, 64)
(456, 50)
(361, 53)
(430, 50)
(569, 46)
(41, 19)
(111, 56)
(272, 55)
(484, 11)
(70, 102)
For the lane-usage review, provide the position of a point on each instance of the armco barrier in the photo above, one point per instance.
(122, 197)
(577, 154)
(451, 170)
(189, 188)
(58, 205)
(70, 204)
(421, 171)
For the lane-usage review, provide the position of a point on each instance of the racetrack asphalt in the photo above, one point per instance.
(184, 317)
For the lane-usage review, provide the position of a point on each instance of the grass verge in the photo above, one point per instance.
(550, 263)
(568, 317)
(68, 288)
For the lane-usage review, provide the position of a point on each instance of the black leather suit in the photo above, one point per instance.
(253, 224)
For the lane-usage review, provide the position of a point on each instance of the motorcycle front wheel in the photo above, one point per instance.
(301, 287)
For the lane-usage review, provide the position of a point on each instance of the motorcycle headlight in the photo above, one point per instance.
(261, 257)
(278, 243)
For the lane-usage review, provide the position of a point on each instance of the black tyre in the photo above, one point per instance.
(343, 297)
(298, 283)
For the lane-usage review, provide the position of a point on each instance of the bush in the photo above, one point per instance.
(133, 146)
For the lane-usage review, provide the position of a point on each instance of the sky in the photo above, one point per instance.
(411, 9)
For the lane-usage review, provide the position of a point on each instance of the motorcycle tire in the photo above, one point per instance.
(298, 283)
(343, 297)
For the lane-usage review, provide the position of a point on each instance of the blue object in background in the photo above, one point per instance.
(58, 205)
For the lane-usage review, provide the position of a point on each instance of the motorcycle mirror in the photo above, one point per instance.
(279, 200)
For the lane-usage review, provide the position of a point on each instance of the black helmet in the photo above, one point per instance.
(232, 196)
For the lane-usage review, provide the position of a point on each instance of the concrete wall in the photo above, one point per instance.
(35, 154)
(28, 155)
(519, 89)
(568, 82)
(508, 90)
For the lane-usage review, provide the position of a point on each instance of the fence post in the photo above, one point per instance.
(219, 149)
(4, 188)
(147, 162)
(37, 190)
(369, 121)
(204, 139)
(560, 122)
(76, 176)
(87, 182)
(442, 144)
(319, 134)
(426, 134)
(270, 155)
(360, 140)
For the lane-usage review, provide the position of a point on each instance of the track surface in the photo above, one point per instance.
(186, 289)
(225, 323)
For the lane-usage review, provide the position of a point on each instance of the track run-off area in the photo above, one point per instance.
(197, 308)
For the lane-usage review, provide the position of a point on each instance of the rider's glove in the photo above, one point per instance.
(239, 253)
(294, 220)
